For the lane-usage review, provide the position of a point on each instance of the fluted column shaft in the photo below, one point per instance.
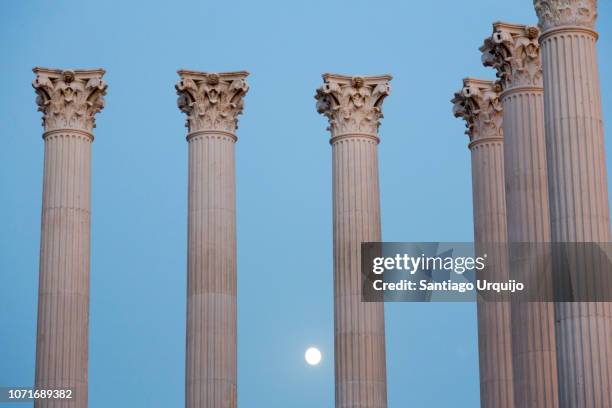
(63, 294)
(359, 329)
(525, 165)
(211, 272)
(63, 289)
(478, 103)
(533, 323)
(513, 50)
(578, 189)
(487, 191)
(494, 336)
(211, 369)
(359, 336)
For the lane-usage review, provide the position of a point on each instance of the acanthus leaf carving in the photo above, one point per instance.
(478, 103)
(211, 101)
(69, 99)
(558, 13)
(352, 104)
(514, 52)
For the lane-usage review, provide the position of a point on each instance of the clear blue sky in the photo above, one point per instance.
(138, 268)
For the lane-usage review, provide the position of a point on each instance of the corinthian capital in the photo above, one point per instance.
(212, 101)
(352, 104)
(557, 13)
(479, 105)
(513, 51)
(69, 99)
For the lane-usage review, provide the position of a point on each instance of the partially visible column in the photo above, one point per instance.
(212, 103)
(69, 101)
(513, 51)
(353, 106)
(578, 189)
(479, 105)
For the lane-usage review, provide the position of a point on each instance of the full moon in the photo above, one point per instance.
(312, 356)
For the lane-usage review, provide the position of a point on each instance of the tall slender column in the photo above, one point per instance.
(353, 106)
(69, 101)
(212, 103)
(514, 52)
(579, 207)
(478, 104)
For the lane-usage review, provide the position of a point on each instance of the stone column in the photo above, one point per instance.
(353, 106)
(212, 103)
(479, 105)
(513, 51)
(578, 189)
(69, 101)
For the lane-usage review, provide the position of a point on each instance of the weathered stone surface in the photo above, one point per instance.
(478, 104)
(211, 101)
(69, 99)
(559, 13)
(513, 51)
(352, 104)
